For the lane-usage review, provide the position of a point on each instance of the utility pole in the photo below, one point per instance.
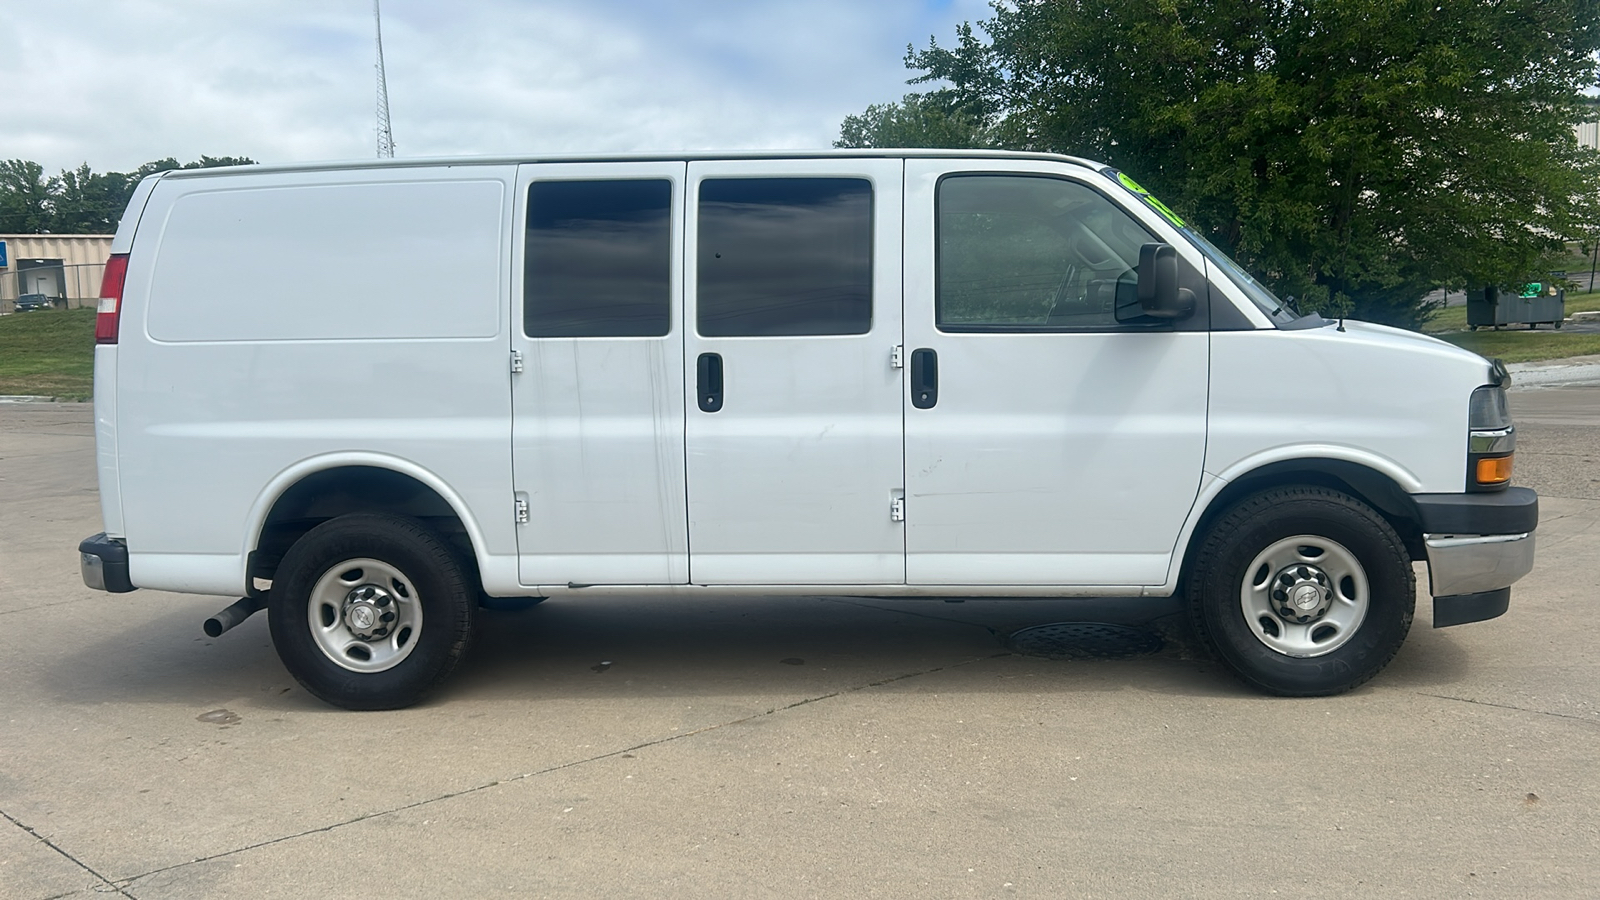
(1594, 262)
(385, 136)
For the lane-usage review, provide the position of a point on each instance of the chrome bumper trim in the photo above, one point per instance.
(1493, 442)
(1476, 563)
(93, 570)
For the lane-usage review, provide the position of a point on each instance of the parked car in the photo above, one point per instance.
(914, 374)
(32, 302)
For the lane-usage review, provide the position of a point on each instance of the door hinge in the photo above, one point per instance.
(522, 511)
(897, 356)
(516, 361)
(897, 509)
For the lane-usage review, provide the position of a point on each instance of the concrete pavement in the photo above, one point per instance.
(787, 746)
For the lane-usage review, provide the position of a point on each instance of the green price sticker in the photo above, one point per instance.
(1155, 204)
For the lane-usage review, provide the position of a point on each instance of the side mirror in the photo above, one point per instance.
(1158, 291)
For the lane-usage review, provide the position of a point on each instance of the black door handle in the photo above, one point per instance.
(924, 378)
(708, 381)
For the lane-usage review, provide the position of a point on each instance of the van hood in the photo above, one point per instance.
(1411, 341)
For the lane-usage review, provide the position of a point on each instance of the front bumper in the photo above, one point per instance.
(103, 562)
(1472, 564)
(1478, 546)
(1471, 575)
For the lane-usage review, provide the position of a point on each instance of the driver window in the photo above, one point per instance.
(1032, 253)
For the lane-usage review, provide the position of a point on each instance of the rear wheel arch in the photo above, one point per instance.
(308, 498)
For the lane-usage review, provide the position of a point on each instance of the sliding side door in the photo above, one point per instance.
(597, 375)
(793, 433)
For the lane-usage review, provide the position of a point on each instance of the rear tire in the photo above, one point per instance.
(1302, 591)
(369, 611)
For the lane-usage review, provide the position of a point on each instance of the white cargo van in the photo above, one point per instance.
(368, 397)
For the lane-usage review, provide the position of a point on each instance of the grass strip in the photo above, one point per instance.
(1525, 345)
(48, 353)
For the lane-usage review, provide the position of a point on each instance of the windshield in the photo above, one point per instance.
(1259, 294)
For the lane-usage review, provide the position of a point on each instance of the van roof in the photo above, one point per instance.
(684, 156)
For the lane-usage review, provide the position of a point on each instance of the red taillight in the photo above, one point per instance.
(110, 315)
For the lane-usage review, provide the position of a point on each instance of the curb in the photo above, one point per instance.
(1573, 370)
(24, 398)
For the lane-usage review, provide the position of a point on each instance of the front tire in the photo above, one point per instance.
(369, 611)
(1302, 591)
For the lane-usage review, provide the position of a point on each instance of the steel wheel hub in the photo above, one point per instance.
(364, 615)
(1304, 595)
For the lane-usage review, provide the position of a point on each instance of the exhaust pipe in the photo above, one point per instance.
(242, 609)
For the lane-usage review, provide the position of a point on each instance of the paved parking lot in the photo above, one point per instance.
(782, 747)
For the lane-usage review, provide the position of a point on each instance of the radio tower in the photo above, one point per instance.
(385, 136)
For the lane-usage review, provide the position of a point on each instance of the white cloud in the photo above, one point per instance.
(117, 84)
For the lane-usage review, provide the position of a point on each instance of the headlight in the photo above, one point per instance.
(1491, 439)
(1488, 410)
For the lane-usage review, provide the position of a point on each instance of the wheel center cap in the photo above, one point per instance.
(1302, 594)
(369, 612)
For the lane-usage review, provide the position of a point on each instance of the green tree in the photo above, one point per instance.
(204, 162)
(83, 202)
(78, 201)
(1355, 153)
(24, 197)
(918, 120)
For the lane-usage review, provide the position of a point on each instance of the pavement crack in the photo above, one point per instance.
(1539, 712)
(70, 858)
(806, 701)
(7, 612)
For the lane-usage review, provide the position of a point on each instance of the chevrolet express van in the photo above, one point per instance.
(368, 397)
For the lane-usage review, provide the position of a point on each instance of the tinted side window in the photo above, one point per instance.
(599, 259)
(1027, 253)
(785, 256)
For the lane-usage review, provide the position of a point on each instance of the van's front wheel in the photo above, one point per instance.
(368, 611)
(1302, 591)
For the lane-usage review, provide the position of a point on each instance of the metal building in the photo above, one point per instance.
(64, 267)
(1589, 134)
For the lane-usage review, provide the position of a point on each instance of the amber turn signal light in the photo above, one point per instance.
(1496, 470)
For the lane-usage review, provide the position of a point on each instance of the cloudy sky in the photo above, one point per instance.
(115, 83)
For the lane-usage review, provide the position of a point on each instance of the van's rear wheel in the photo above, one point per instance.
(1302, 591)
(368, 611)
